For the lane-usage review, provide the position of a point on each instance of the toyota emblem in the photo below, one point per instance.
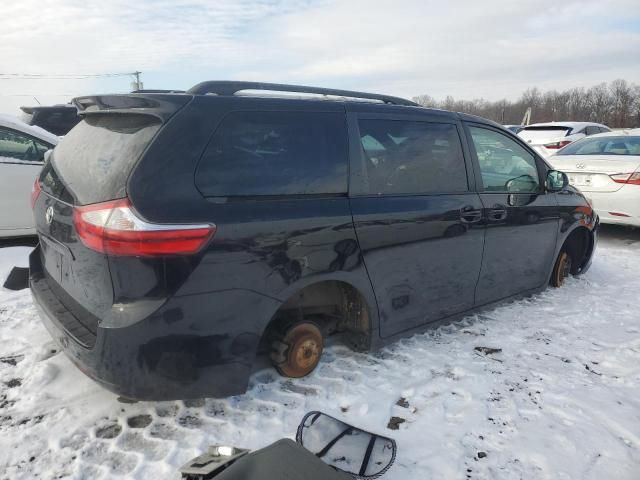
(581, 166)
(48, 216)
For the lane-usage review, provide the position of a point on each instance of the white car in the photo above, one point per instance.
(22, 150)
(548, 138)
(606, 168)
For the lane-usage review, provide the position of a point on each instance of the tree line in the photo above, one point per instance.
(616, 104)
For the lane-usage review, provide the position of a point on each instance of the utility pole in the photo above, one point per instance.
(137, 85)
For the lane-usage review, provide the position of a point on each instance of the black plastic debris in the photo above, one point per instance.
(18, 279)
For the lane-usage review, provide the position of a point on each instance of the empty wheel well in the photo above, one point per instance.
(578, 245)
(335, 306)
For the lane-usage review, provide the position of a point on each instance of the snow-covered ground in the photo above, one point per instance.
(561, 400)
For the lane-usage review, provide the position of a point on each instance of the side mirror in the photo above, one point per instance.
(523, 184)
(356, 452)
(556, 181)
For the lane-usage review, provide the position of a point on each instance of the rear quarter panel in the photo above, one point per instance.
(264, 250)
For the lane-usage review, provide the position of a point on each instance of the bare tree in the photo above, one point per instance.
(599, 103)
(616, 105)
(426, 101)
(622, 101)
(636, 106)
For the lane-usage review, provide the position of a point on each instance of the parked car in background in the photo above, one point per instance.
(183, 234)
(57, 119)
(548, 138)
(514, 128)
(606, 168)
(22, 149)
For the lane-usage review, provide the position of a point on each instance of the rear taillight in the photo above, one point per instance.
(627, 178)
(557, 145)
(115, 229)
(35, 192)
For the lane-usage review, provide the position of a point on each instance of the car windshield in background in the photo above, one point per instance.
(604, 146)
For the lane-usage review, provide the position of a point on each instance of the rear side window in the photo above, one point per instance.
(276, 153)
(408, 157)
(92, 162)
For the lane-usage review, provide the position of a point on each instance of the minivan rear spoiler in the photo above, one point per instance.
(157, 105)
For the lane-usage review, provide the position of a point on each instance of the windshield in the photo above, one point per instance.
(603, 146)
(92, 162)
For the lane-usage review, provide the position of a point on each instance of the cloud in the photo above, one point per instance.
(469, 49)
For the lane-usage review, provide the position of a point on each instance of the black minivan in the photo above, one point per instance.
(180, 235)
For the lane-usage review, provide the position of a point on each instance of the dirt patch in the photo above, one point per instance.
(394, 423)
(109, 431)
(139, 421)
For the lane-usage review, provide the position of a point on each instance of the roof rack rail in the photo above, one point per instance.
(156, 90)
(229, 88)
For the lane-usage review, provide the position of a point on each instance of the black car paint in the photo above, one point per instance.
(187, 327)
(57, 119)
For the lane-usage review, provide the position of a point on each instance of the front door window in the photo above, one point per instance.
(505, 165)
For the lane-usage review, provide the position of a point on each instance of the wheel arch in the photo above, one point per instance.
(580, 243)
(354, 301)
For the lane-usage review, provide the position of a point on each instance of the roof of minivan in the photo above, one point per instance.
(154, 103)
(475, 118)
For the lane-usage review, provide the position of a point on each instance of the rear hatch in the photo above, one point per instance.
(593, 173)
(90, 165)
(545, 139)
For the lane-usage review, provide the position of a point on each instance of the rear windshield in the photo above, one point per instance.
(92, 162)
(545, 131)
(603, 146)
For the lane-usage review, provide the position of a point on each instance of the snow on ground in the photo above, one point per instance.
(561, 400)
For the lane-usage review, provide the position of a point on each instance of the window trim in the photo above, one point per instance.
(541, 165)
(32, 138)
(267, 197)
(358, 187)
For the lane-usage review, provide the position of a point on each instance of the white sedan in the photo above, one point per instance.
(606, 168)
(548, 138)
(22, 149)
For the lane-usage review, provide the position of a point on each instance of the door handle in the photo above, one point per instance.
(469, 214)
(497, 213)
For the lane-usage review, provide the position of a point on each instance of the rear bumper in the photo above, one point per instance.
(158, 358)
(624, 202)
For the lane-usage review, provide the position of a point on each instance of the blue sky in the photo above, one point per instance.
(468, 49)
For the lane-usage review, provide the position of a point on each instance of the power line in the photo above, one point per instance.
(63, 76)
(41, 94)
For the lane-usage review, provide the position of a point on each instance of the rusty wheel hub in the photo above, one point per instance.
(563, 269)
(306, 353)
(304, 346)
